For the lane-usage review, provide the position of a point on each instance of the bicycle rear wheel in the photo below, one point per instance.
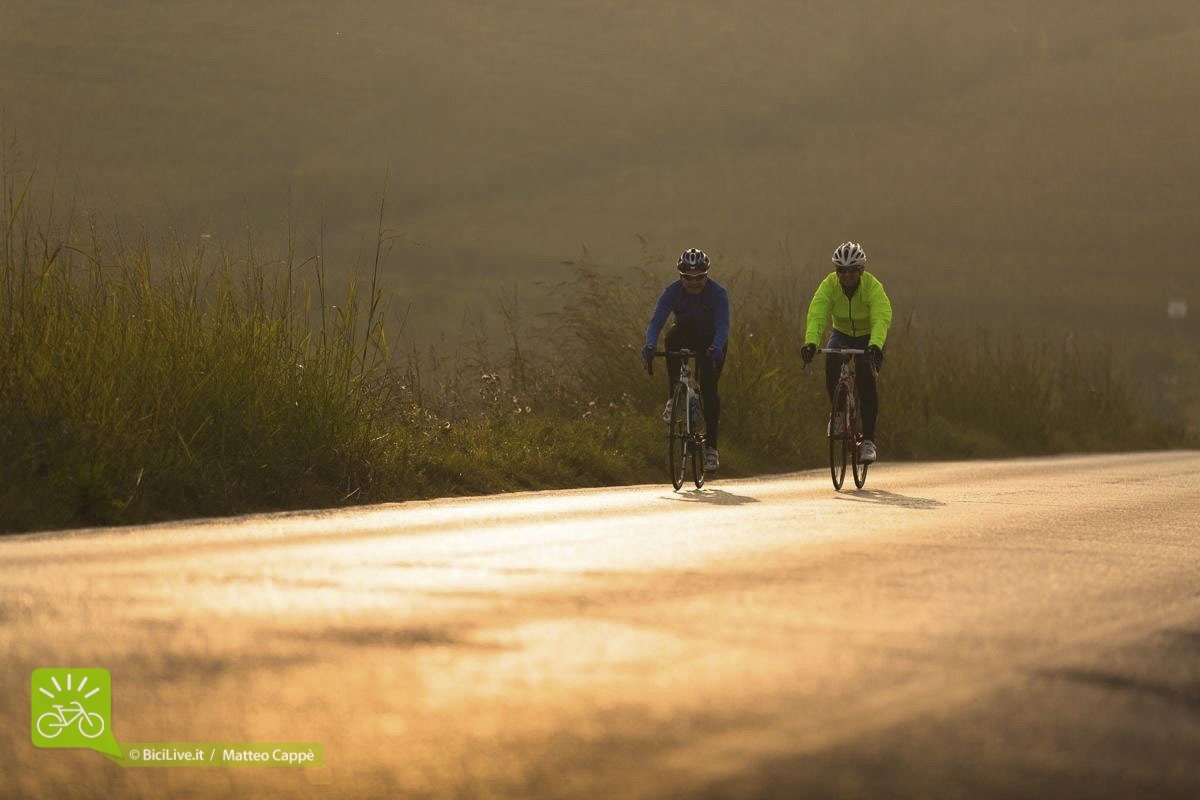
(838, 445)
(677, 436)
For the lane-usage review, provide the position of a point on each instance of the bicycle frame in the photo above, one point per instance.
(851, 437)
(691, 438)
(65, 716)
(848, 378)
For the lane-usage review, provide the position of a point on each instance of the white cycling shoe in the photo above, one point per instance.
(866, 452)
(712, 461)
(667, 412)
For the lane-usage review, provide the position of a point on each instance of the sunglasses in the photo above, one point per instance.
(694, 278)
(848, 270)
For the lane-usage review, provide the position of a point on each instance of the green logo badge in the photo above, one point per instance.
(73, 708)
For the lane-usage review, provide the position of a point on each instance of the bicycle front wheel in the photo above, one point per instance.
(859, 467)
(838, 431)
(91, 725)
(699, 439)
(677, 437)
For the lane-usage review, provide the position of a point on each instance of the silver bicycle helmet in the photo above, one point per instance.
(849, 254)
(693, 262)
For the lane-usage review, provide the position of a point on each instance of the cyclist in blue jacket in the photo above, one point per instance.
(701, 309)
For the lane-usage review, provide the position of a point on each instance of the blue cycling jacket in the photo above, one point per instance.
(703, 314)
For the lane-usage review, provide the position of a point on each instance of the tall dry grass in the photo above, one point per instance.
(143, 381)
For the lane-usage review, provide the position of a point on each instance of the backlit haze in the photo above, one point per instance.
(1021, 165)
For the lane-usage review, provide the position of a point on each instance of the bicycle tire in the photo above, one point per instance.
(677, 437)
(86, 724)
(699, 438)
(859, 468)
(838, 444)
(52, 717)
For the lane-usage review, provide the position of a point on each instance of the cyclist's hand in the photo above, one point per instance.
(648, 357)
(716, 355)
(876, 356)
(807, 352)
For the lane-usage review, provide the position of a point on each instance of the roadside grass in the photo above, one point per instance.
(147, 381)
(144, 382)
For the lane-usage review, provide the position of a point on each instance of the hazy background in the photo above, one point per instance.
(1017, 164)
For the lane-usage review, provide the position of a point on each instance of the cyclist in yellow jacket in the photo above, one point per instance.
(861, 313)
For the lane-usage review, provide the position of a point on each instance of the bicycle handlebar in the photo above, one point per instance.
(842, 351)
(685, 354)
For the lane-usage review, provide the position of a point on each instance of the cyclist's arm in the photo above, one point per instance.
(659, 319)
(721, 319)
(819, 309)
(881, 315)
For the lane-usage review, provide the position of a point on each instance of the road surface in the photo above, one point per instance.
(984, 629)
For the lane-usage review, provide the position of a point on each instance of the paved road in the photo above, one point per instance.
(984, 629)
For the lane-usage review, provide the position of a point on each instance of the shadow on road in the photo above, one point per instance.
(717, 497)
(889, 499)
(1185, 696)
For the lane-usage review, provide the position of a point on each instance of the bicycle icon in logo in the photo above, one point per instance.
(72, 707)
(52, 723)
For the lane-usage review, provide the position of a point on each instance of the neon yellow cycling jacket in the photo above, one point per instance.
(867, 312)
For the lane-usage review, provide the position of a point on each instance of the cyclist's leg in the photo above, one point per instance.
(676, 339)
(868, 401)
(833, 363)
(833, 368)
(709, 376)
(868, 392)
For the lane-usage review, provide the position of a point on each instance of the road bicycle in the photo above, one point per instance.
(686, 429)
(845, 421)
(52, 723)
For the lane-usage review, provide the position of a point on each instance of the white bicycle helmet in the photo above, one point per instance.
(849, 254)
(693, 262)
